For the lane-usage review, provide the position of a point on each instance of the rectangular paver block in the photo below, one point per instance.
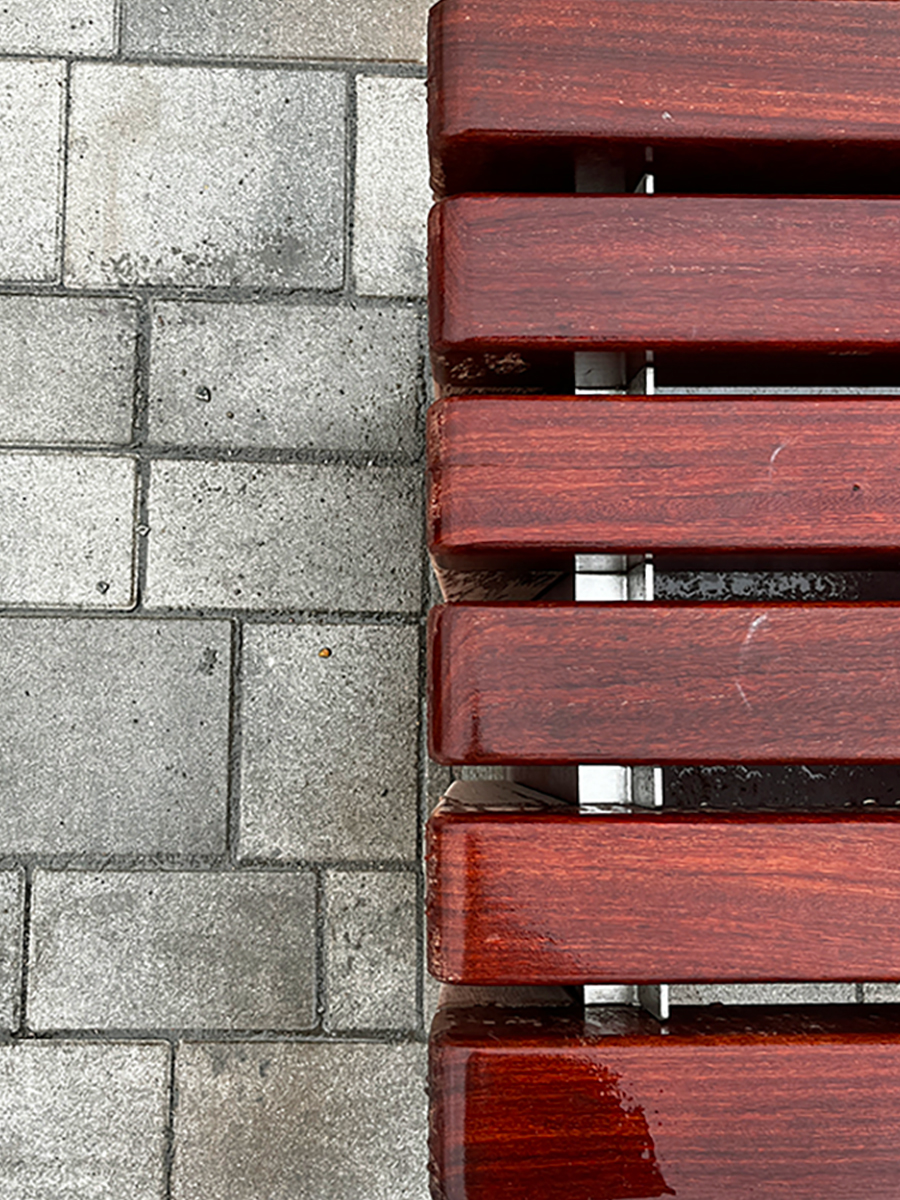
(763, 993)
(284, 536)
(82, 1121)
(392, 189)
(300, 1121)
(113, 736)
(32, 103)
(324, 376)
(158, 950)
(66, 370)
(67, 530)
(205, 176)
(329, 717)
(378, 29)
(57, 27)
(12, 899)
(370, 950)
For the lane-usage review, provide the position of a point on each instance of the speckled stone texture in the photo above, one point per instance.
(333, 377)
(285, 536)
(300, 1122)
(32, 103)
(114, 736)
(392, 190)
(66, 369)
(58, 27)
(329, 746)
(66, 530)
(391, 30)
(161, 950)
(205, 176)
(83, 1120)
(370, 948)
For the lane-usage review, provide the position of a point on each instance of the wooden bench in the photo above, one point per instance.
(762, 257)
(538, 1103)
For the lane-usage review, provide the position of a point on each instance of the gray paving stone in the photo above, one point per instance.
(32, 102)
(370, 950)
(113, 736)
(392, 190)
(328, 745)
(80, 1121)
(300, 1122)
(205, 177)
(284, 536)
(118, 950)
(12, 891)
(67, 530)
(763, 993)
(881, 993)
(57, 27)
(66, 370)
(340, 378)
(392, 30)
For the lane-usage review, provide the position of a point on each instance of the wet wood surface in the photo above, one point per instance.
(735, 73)
(790, 1105)
(664, 683)
(537, 480)
(519, 894)
(515, 276)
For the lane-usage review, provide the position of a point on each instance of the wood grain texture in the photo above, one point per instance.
(656, 72)
(801, 1105)
(563, 896)
(516, 276)
(664, 684)
(525, 480)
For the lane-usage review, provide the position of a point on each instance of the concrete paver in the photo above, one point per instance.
(66, 370)
(67, 530)
(83, 1121)
(329, 716)
(32, 104)
(392, 190)
(300, 1121)
(392, 30)
(138, 950)
(284, 536)
(763, 993)
(114, 736)
(370, 950)
(332, 377)
(12, 899)
(58, 27)
(205, 176)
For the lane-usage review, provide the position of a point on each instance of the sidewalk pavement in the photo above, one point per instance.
(212, 385)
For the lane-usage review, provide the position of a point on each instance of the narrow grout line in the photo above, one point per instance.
(169, 1144)
(119, 28)
(22, 1023)
(233, 798)
(321, 964)
(61, 216)
(351, 137)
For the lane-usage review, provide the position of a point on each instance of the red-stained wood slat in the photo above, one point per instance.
(515, 278)
(519, 894)
(535, 480)
(790, 1105)
(762, 72)
(664, 683)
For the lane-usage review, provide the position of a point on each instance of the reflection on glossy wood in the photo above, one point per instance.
(790, 1105)
(664, 684)
(538, 480)
(513, 275)
(735, 71)
(523, 894)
